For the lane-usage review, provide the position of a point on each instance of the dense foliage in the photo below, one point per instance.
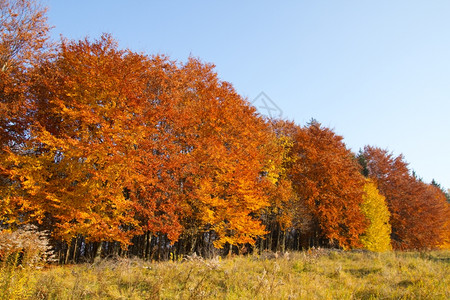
(377, 236)
(418, 210)
(116, 152)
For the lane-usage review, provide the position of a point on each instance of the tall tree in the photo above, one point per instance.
(326, 177)
(287, 216)
(23, 42)
(225, 146)
(83, 132)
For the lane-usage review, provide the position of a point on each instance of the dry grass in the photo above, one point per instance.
(317, 274)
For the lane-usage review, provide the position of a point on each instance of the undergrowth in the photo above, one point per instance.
(316, 274)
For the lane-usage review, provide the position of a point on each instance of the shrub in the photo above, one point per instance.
(26, 246)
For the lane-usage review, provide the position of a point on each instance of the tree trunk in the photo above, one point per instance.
(67, 254)
(147, 245)
(75, 250)
(98, 253)
(193, 245)
(230, 251)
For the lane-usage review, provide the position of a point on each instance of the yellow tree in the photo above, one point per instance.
(285, 214)
(377, 236)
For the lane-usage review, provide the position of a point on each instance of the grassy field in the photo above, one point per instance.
(316, 274)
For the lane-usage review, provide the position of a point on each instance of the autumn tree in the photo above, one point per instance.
(418, 211)
(24, 33)
(326, 177)
(79, 169)
(445, 237)
(224, 143)
(23, 42)
(433, 216)
(286, 218)
(446, 192)
(377, 236)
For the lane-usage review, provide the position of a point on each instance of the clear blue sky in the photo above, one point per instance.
(378, 72)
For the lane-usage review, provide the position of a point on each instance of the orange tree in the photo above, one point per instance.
(327, 179)
(225, 150)
(23, 42)
(88, 123)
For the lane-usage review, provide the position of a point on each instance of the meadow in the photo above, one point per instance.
(313, 274)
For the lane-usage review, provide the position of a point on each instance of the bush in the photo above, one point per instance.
(26, 246)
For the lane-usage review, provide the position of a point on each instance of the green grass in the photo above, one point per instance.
(317, 274)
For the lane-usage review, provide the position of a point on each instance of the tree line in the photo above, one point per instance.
(121, 153)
